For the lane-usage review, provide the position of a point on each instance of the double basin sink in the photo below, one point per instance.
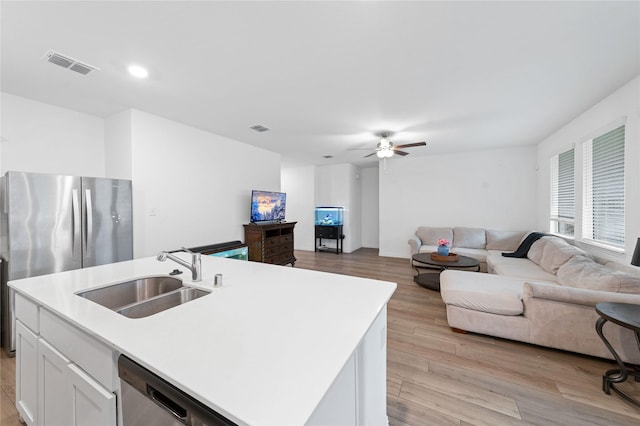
(143, 297)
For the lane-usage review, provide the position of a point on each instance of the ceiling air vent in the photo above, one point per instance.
(69, 63)
(259, 128)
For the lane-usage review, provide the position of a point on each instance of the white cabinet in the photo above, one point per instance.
(55, 403)
(69, 396)
(51, 388)
(26, 374)
(92, 404)
(358, 396)
(338, 407)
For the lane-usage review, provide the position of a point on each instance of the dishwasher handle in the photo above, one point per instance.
(167, 403)
(186, 409)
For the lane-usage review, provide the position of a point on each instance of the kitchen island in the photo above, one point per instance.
(272, 346)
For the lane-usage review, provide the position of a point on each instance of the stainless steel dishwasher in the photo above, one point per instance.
(149, 400)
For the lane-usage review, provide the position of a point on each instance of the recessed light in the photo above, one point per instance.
(138, 71)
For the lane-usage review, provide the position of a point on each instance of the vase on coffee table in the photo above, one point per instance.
(443, 250)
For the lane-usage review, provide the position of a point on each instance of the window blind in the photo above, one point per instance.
(563, 193)
(603, 217)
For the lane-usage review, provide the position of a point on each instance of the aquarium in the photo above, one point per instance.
(240, 253)
(329, 216)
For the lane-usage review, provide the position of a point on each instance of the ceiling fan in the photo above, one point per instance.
(385, 148)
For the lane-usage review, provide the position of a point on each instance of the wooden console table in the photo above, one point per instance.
(270, 243)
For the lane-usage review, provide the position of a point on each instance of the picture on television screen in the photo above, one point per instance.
(268, 206)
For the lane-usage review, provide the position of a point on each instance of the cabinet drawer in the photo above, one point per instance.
(287, 238)
(327, 232)
(90, 354)
(272, 242)
(272, 251)
(27, 312)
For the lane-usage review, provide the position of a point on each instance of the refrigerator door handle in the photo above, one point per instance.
(75, 242)
(89, 229)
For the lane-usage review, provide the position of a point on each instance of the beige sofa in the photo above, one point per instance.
(547, 298)
(473, 242)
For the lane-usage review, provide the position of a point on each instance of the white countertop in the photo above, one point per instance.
(262, 349)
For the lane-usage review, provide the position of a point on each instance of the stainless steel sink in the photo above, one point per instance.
(119, 295)
(162, 303)
(144, 296)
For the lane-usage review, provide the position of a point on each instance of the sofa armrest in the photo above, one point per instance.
(576, 296)
(414, 244)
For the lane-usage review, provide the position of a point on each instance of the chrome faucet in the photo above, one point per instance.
(195, 267)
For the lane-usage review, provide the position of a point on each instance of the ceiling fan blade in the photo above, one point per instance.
(410, 145)
(395, 151)
(369, 155)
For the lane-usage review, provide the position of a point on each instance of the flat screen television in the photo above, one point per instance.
(268, 206)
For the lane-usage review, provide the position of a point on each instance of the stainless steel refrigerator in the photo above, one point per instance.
(54, 223)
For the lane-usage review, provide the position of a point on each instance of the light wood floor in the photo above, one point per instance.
(438, 377)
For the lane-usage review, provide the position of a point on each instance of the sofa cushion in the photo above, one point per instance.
(626, 269)
(427, 249)
(479, 254)
(504, 240)
(556, 252)
(582, 272)
(482, 292)
(430, 235)
(535, 252)
(469, 237)
(517, 267)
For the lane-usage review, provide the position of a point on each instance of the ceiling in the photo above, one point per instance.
(326, 76)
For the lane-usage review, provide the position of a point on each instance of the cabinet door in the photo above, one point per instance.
(55, 404)
(92, 404)
(26, 373)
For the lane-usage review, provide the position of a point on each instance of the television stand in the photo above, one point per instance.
(270, 243)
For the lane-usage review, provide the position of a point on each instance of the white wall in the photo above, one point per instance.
(42, 138)
(337, 185)
(370, 200)
(354, 211)
(493, 189)
(118, 145)
(298, 183)
(192, 187)
(623, 103)
(198, 183)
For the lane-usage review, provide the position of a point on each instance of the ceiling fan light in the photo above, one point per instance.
(384, 153)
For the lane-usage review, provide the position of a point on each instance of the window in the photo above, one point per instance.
(603, 188)
(563, 193)
(587, 203)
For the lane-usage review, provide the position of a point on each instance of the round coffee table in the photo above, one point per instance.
(432, 280)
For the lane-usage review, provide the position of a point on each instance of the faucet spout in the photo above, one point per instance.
(195, 266)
